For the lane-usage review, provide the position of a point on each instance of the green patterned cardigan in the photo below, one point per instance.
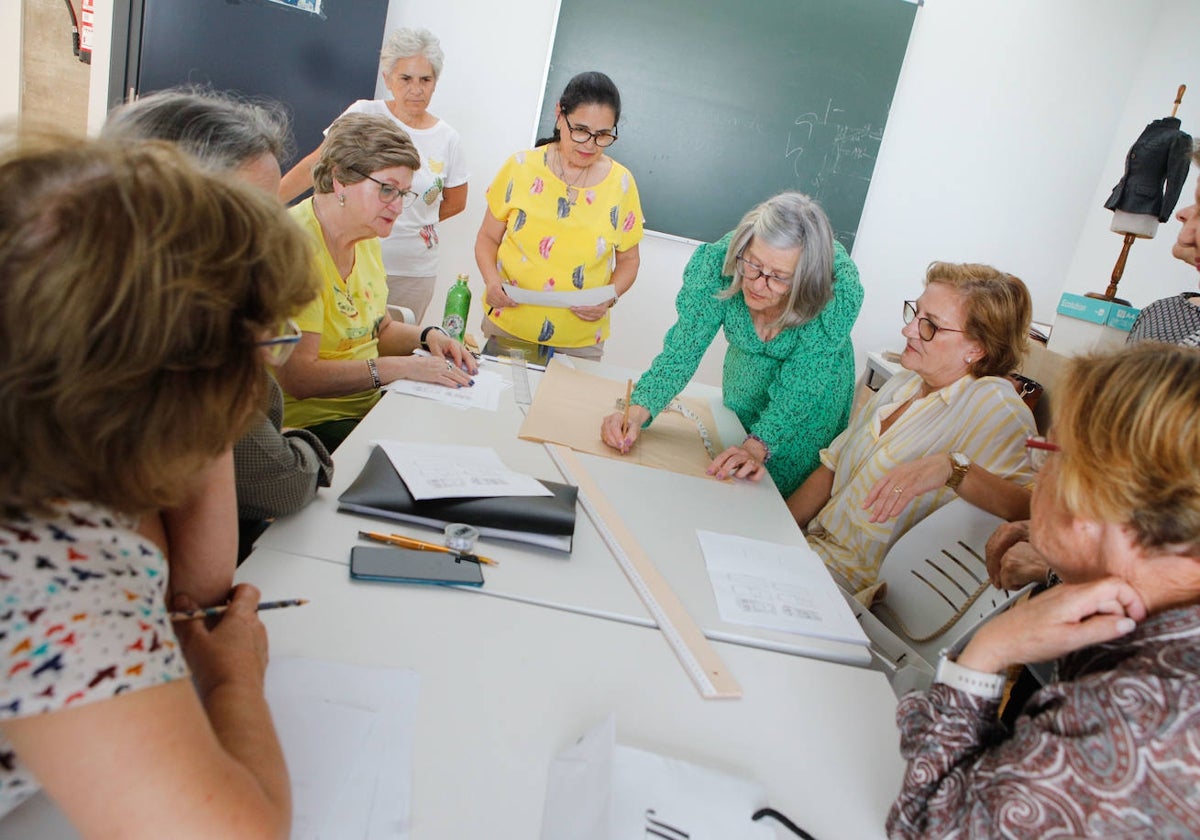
(793, 392)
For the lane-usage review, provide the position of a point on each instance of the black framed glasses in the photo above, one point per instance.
(281, 346)
(925, 328)
(390, 192)
(579, 134)
(1038, 450)
(753, 271)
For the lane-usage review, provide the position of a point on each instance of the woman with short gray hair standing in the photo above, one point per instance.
(411, 64)
(786, 294)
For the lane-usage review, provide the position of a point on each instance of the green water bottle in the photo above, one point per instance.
(458, 304)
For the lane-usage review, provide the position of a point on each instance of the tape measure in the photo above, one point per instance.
(687, 641)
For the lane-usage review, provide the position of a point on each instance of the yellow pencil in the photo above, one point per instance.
(625, 413)
(421, 545)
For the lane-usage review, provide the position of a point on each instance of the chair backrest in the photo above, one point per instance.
(937, 582)
(402, 314)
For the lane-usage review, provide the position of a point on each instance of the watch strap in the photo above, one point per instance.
(425, 336)
(987, 686)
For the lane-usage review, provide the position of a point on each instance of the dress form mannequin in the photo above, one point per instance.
(1155, 170)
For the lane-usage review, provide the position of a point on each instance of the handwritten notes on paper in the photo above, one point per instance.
(449, 471)
(779, 587)
(485, 393)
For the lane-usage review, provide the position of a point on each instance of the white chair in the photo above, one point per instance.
(937, 586)
(402, 314)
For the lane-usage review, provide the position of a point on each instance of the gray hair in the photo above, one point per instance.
(785, 221)
(405, 43)
(220, 130)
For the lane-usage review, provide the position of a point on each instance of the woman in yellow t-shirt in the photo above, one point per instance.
(562, 218)
(350, 346)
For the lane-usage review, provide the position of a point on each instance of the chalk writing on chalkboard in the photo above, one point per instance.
(726, 104)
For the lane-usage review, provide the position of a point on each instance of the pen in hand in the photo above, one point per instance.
(209, 612)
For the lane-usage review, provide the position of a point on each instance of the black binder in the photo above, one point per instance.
(541, 520)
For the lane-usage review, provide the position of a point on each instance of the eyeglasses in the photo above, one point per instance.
(1038, 450)
(925, 328)
(751, 271)
(580, 134)
(390, 192)
(281, 346)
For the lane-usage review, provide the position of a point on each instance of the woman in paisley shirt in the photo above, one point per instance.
(562, 218)
(139, 303)
(1109, 747)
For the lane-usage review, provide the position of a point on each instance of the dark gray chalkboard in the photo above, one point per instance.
(316, 65)
(726, 103)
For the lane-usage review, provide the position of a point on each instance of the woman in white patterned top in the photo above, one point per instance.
(410, 64)
(132, 351)
(951, 423)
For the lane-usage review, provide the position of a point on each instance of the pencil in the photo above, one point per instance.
(625, 412)
(208, 612)
(421, 545)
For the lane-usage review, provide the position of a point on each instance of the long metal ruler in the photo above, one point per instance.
(687, 641)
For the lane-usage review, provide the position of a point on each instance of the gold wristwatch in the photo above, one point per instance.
(959, 464)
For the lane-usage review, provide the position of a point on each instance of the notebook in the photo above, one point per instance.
(539, 520)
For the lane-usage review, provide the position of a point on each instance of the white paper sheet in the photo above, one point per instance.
(484, 394)
(599, 790)
(347, 733)
(448, 471)
(779, 587)
(564, 299)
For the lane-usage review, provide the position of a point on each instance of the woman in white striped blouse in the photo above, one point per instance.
(950, 423)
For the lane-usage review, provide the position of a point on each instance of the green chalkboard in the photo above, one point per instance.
(725, 103)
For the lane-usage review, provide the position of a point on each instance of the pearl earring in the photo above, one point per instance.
(341, 199)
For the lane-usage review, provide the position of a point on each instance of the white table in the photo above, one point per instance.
(663, 510)
(506, 686)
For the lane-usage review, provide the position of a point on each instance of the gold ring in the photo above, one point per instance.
(897, 489)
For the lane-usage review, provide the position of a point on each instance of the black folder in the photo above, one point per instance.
(541, 520)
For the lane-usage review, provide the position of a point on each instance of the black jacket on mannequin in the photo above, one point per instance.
(1155, 170)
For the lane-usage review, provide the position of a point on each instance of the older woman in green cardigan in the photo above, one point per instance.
(786, 295)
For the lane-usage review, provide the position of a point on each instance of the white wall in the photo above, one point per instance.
(1000, 134)
(1008, 130)
(10, 60)
(1172, 58)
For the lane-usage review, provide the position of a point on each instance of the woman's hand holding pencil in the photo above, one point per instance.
(621, 429)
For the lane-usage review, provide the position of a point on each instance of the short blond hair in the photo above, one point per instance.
(998, 312)
(359, 144)
(133, 291)
(1128, 423)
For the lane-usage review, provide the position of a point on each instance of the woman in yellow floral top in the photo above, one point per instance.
(562, 218)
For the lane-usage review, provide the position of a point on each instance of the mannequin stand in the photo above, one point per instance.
(1118, 270)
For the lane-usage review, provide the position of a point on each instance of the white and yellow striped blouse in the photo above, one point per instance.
(983, 418)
